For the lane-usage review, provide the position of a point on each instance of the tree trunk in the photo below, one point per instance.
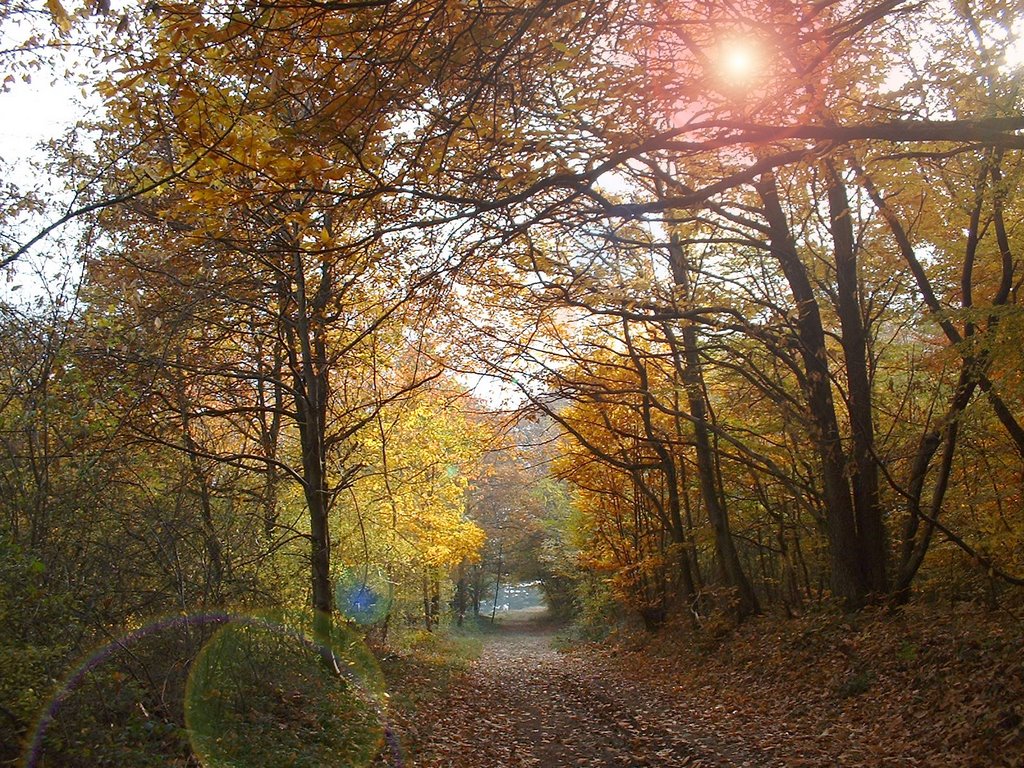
(915, 547)
(435, 599)
(711, 491)
(214, 553)
(666, 461)
(497, 583)
(864, 470)
(427, 617)
(847, 577)
(308, 363)
(460, 595)
(478, 588)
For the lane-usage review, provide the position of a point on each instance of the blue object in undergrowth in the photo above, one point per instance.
(363, 597)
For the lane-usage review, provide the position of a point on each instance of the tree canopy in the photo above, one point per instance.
(754, 267)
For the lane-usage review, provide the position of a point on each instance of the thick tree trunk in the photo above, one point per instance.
(847, 577)
(864, 470)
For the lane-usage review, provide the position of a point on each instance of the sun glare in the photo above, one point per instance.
(1015, 50)
(739, 60)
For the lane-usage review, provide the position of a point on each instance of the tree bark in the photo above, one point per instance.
(711, 491)
(310, 373)
(667, 465)
(847, 577)
(864, 470)
(460, 594)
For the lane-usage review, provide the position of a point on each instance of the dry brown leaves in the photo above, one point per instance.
(524, 705)
(926, 688)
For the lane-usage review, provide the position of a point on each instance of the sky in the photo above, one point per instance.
(30, 114)
(36, 112)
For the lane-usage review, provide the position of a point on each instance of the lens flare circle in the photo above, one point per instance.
(260, 681)
(132, 647)
(364, 596)
(267, 691)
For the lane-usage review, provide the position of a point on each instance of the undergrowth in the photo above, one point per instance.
(421, 667)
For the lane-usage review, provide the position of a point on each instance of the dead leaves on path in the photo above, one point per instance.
(524, 705)
(928, 687)
(925, 688)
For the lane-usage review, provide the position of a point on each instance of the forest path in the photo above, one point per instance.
(523, 703)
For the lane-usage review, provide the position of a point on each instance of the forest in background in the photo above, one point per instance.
(691, 311)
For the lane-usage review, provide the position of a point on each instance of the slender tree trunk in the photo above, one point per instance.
(802, 561)
(425, 585)
(974, 362)
(666, 459)
(270, 393)
(460, 594)
(691, 543)
(214, 553)
(309, 368)
(915, 543)
(478, 587)
(315, 490)
(435, 598)
(791, 586)
(707, 475)
(497, 583)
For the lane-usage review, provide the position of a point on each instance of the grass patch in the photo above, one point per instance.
(418, 663)
(421, 667)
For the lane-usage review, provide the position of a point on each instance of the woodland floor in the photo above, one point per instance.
(914, 690)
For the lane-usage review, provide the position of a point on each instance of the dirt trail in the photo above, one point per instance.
(525, 704)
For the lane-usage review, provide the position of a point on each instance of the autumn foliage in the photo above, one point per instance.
(690, 311)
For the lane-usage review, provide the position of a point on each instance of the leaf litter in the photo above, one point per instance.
(921, 688)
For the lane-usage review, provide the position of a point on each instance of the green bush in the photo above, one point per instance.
(33, 645)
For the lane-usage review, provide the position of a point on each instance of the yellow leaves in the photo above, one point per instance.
(282, 168)
(59, 14)
(418, 494)
(312, 164)
(455, 541)
(204, 195)
(335, 173)
(107, 89)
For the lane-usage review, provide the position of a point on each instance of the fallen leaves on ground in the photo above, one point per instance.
(522, 704)
(922, 688)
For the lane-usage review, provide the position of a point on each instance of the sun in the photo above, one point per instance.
(739, 60)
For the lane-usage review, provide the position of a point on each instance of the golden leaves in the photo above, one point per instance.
(60, 16)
